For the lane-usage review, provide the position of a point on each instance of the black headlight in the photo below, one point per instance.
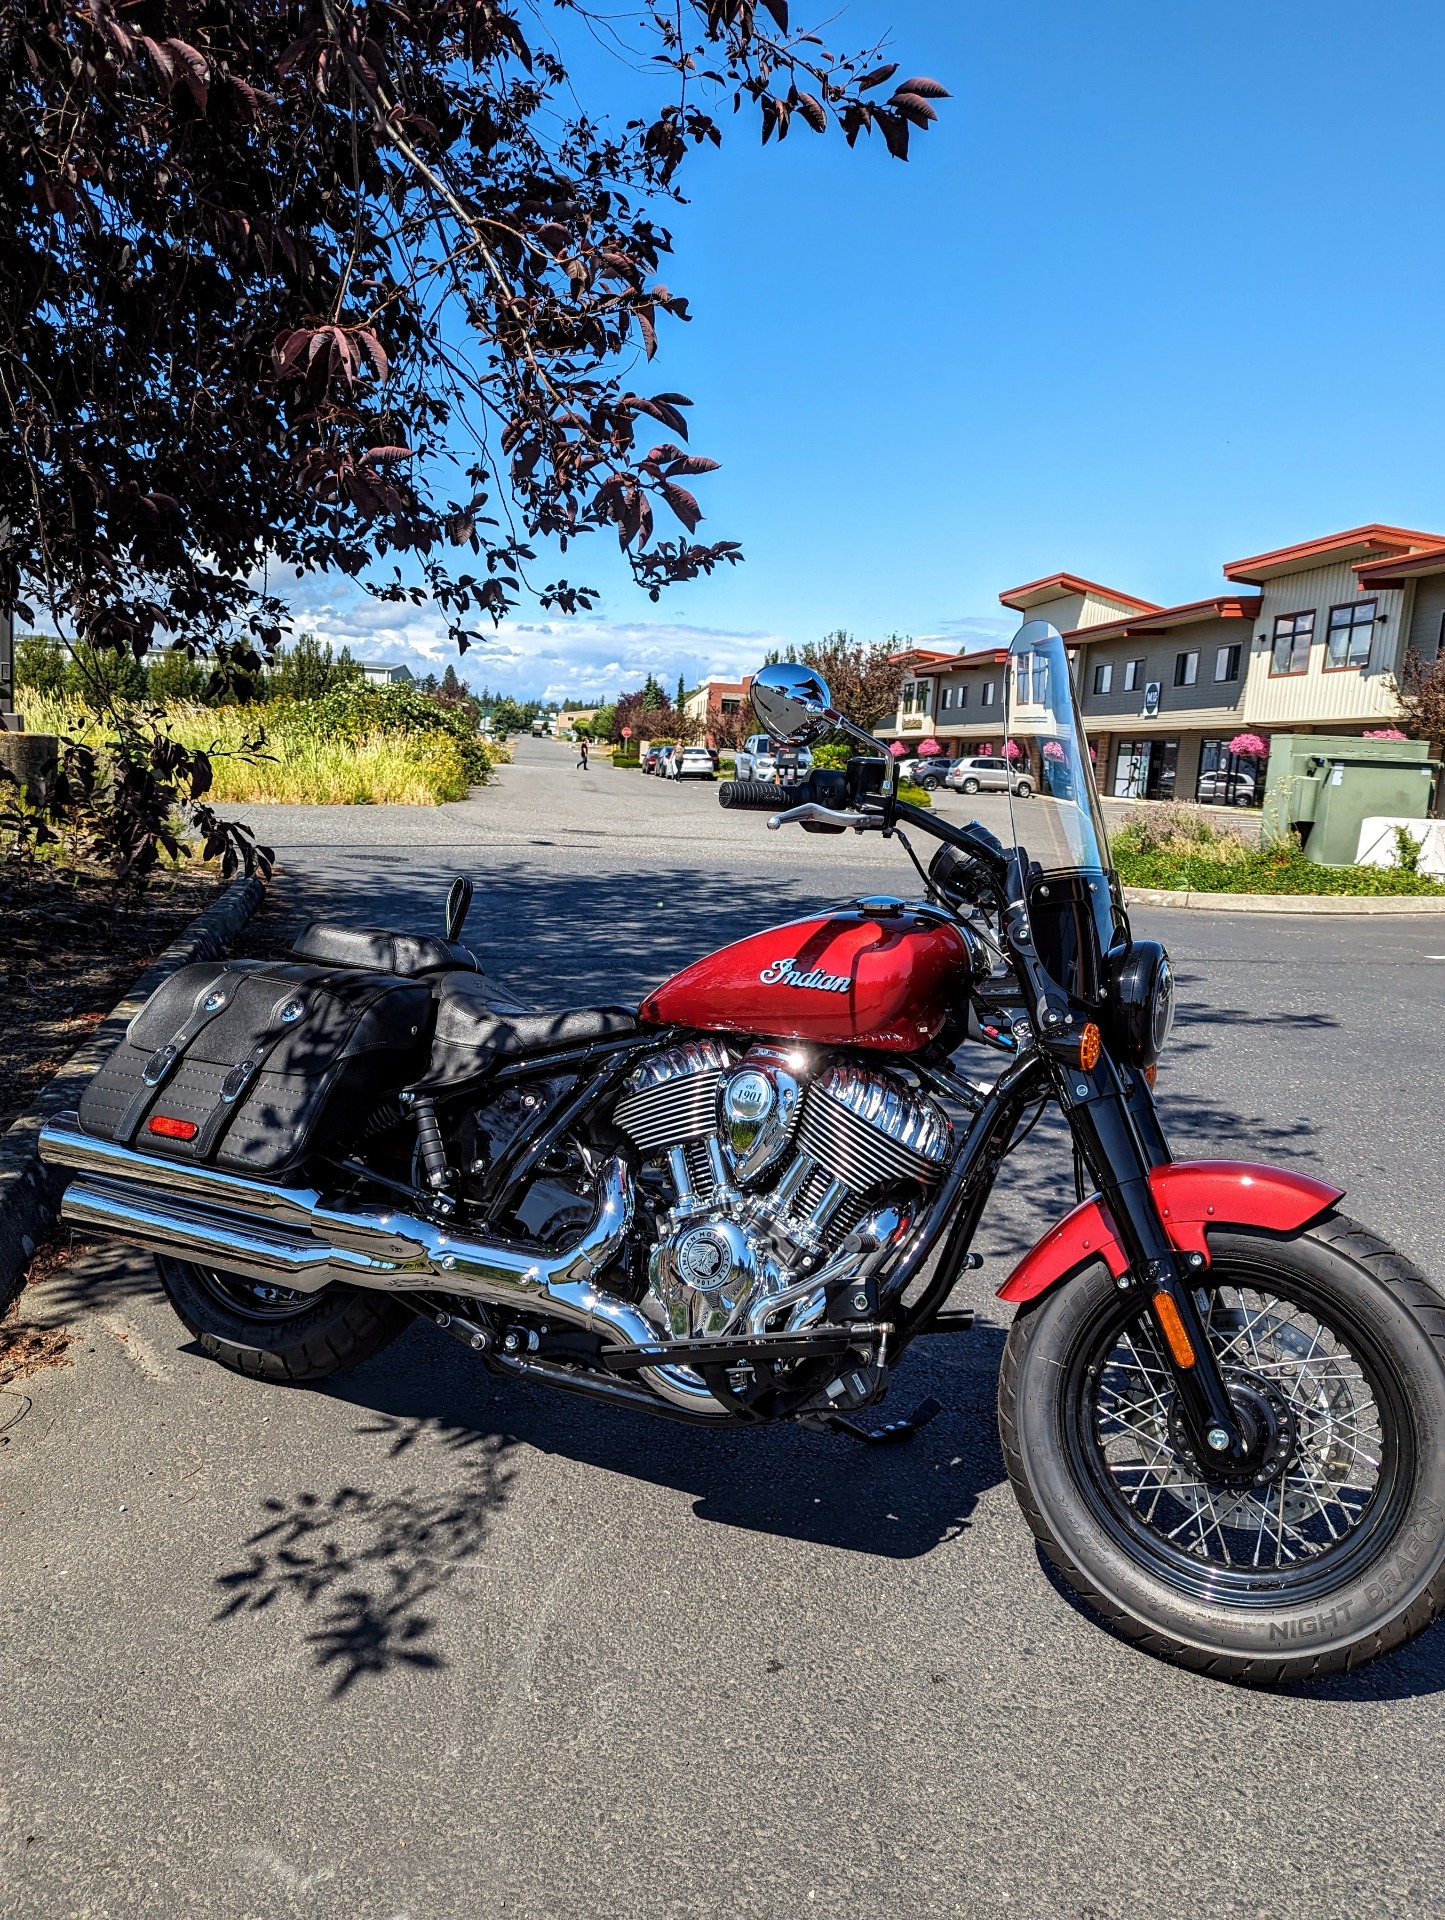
(1139, 1010)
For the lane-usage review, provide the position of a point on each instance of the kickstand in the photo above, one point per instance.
(895, 1431)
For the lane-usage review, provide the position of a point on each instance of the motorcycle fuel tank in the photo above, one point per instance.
(853, 978)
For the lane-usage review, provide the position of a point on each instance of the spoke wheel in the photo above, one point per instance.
(1331, 1549)
(1334, 1462)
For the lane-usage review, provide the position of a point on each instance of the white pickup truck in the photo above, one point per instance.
(757, 758)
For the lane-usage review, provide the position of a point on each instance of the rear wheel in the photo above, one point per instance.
(970, 785)
(1333, 1551)
(273, 1333)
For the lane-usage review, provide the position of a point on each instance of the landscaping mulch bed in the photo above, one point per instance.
(70, 947)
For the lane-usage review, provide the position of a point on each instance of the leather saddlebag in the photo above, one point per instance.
(254, 1064)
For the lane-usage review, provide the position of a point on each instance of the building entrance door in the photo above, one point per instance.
(1145, 769)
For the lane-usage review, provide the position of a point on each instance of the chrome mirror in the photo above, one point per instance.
(793, 703)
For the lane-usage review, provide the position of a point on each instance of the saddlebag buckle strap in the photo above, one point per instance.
(289, 1011)
(211, 1001)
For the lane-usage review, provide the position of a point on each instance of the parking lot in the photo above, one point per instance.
(421, 1643)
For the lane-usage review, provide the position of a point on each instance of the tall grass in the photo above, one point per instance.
(300, 764)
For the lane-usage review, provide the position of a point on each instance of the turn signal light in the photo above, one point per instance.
(1091, 1043)
(1151, 1074)
(172, 1129)
(1167, 1314)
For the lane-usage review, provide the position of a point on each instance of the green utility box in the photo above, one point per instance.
(1324, 785)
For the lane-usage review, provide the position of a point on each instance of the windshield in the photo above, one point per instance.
(1052, 802)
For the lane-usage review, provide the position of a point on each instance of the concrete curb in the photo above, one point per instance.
(1395, 903)
(28, 1194)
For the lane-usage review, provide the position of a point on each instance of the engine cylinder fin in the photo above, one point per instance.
(671, 1097)
(868, 1132)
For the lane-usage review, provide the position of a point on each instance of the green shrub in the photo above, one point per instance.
(174, 679)
(915, 796)
(41, 664)
(833, 757)
(352, 710)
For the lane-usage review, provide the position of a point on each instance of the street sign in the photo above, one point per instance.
(627, 733)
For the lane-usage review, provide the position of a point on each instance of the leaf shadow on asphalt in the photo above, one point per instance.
(372, 1568)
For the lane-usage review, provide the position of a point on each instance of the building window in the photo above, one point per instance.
(1186, 669)
(987, 699)
(1229, 779)
(963, 695)
(1145, 769)
(947, 701)
(730, 703)
(1293, 633)
(1133, 675)
(1348, 636)
(1226, 663)
(1103, 676)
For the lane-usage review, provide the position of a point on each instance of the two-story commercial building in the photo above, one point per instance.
(1180, 702)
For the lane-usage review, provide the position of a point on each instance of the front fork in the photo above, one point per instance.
(1117, 1130)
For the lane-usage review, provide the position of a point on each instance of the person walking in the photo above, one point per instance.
(582, 763)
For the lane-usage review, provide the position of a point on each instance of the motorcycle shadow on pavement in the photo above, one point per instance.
(898, 1501)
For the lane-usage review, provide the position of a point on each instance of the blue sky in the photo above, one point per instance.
(1163, 287)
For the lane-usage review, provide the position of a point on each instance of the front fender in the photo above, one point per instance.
(1192, 1196)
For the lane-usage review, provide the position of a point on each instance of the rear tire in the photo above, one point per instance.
(290, 1340)
(1349, 1533)
(968, 786)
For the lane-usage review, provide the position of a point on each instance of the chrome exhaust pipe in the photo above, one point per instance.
(291, 1237)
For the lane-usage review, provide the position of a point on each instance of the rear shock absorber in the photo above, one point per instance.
(429, 1144)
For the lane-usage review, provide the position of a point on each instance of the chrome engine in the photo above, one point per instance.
(787, 1174)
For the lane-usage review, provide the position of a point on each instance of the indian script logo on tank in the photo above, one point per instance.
(784, 973)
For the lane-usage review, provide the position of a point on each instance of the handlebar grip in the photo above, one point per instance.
(759, 795)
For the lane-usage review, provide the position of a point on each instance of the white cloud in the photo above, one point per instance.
(586, 657)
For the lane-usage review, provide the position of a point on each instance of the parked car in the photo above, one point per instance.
(988, 773)
(651, 758)
(663, 761)
(690, 763)
(792, 763)
(757, 758)
(926, 770)
(1223, 789)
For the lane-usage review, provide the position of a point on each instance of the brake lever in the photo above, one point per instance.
(827, 816)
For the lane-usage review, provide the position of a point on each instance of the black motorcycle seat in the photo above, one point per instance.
(380, 950)
(479, 1024)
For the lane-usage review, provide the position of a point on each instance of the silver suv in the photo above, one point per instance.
(987, 773)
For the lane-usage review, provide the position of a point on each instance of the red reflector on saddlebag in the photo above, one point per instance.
(172, 1129)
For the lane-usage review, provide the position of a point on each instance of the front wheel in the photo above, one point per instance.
(274, 1333)
(1334, 1550)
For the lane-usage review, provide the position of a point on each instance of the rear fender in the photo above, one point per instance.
(1192, 1196)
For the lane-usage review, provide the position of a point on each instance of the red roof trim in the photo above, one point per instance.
(1381, 539)
(1395, 572)
(1074, 583)
(1223, 606)
(953, 662)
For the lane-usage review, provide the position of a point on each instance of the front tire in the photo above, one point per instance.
(1339, 1554)
(269, 1333)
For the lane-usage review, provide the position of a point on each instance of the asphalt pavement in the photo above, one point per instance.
(425, 1644)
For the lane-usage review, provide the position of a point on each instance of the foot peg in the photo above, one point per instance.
(894, 1432)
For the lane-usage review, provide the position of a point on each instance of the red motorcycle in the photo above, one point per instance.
(1222, 1402)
